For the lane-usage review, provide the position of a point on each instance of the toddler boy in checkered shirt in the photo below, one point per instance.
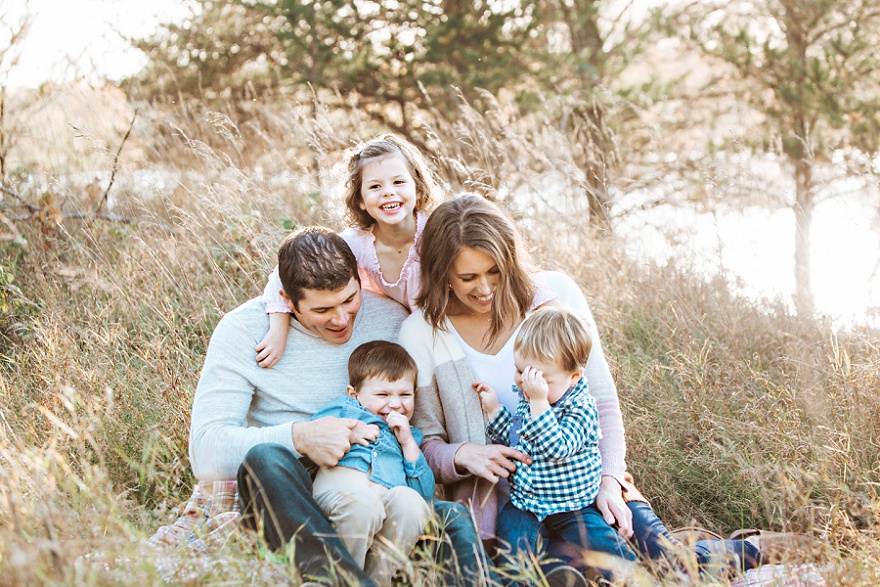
(557, 424)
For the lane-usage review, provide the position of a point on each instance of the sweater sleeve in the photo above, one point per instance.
(274, 302)
(219, 434)
(416, 338)
(612, 444)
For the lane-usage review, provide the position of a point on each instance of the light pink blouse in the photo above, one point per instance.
(362, 243)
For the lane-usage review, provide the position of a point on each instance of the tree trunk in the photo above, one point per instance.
(803, 217)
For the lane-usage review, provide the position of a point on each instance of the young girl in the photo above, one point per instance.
(388, 194)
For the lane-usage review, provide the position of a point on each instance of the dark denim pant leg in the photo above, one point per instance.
(573, 533)
(517, 531)
(276, 496)
(650, 536)
(459, 551)
(709, 552)
(653, 541)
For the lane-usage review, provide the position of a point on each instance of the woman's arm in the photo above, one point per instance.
(612, 444)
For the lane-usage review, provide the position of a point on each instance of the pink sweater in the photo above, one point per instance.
(362, 243)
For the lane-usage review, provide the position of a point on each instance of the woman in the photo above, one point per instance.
(475, 292)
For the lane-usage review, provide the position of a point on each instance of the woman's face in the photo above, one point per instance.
(474, 277)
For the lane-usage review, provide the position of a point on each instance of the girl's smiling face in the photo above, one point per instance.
(388, 190)
(474, 277)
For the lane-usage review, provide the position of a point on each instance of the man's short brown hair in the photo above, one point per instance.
(314, 257)
(380, 358)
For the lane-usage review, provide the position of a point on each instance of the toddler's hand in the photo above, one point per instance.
(271, 348)
(488, 398)
(403, 432)
(400, 426)
(534, 385)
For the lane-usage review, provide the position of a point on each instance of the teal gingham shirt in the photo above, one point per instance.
(563, 442)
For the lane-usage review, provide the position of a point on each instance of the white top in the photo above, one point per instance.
(494, 369)
(362, 243)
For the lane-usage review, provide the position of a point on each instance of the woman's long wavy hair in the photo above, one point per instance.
(472, 221)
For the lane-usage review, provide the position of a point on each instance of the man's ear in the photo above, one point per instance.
(287, 300)
(352, 392)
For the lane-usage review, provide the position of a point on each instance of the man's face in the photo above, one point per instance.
(328, 313)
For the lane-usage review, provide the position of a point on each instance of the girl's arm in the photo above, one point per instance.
(271, 348)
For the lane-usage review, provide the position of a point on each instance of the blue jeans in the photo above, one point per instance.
(652, 540)
(275, 488)
(565, 536)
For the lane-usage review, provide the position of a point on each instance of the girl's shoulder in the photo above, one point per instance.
(355, 235)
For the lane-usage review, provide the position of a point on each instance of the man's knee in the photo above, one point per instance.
(267, 465)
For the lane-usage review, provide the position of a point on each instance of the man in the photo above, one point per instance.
(253, 424)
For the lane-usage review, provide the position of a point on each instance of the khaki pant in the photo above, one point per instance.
(379, 525)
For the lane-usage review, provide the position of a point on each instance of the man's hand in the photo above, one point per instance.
(403, 432)
(612, 507)
(326, 440)
(363, 433)
(488, 398)
(489, 461)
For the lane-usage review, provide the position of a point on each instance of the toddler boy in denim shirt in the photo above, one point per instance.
(377, 496)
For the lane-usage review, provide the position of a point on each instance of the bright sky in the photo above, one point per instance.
(70, 38)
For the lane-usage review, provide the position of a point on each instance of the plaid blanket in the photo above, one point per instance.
(209, 517)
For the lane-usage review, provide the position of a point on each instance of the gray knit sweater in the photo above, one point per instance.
(238, 404)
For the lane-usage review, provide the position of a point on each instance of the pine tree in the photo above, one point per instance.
(811, 68)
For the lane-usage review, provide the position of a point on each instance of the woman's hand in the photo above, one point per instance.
(489, 461)
(612, 507)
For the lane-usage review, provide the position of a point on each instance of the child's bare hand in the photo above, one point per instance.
(400, 426)
(534, 385)
(488, 398)
(271, 348)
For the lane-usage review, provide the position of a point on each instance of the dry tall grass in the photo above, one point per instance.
(735, 416)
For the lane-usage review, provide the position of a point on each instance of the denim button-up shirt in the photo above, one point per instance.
(384, 455)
